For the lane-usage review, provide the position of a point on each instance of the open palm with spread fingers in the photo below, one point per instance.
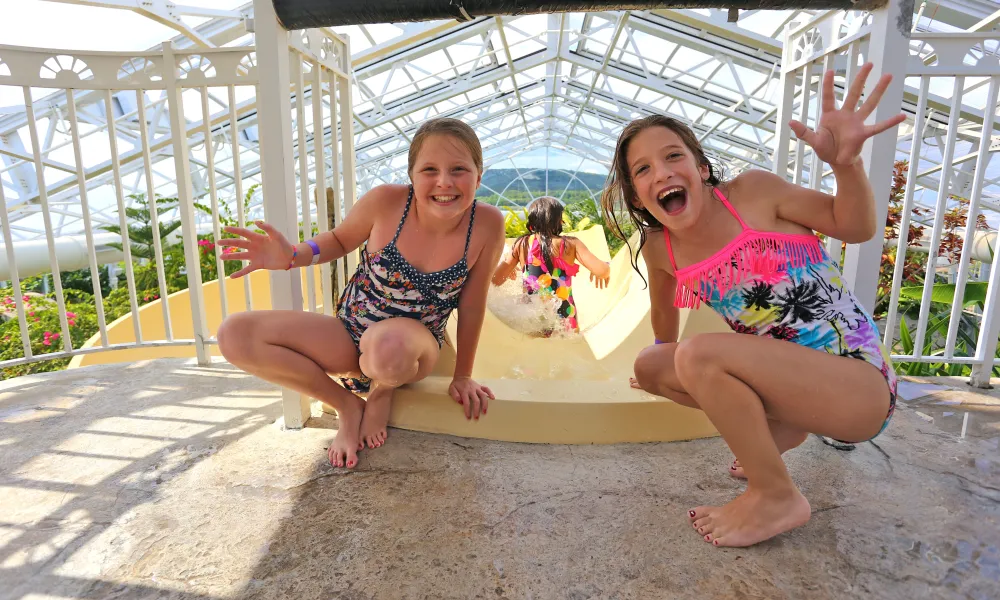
(270, 250)
(842, 132)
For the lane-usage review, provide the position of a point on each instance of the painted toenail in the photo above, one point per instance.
(716, 542)
(691, 513)
(706, 538)
(701, 530)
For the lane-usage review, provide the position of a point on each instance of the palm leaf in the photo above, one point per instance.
(944, 293)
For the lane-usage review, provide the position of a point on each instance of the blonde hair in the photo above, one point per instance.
(446, 126)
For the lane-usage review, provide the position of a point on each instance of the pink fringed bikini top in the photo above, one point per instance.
(752, 253)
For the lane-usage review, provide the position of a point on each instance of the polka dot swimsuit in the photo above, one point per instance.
(387, 286)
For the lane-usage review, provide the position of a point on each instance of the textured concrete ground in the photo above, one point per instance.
(168, 480)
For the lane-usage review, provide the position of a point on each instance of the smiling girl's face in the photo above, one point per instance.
(445, 176)
(666, 177)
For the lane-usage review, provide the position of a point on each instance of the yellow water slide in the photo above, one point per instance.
(570, 389)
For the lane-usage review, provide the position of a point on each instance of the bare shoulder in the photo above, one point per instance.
(756, 185)
(382, 197)
(383, 202)
(489, 221)
(654, 251)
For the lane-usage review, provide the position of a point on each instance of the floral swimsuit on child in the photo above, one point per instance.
(786, 287)
(387, 286)
(555, 279)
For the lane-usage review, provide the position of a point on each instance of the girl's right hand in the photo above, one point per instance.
(600, 281)
(271, 251)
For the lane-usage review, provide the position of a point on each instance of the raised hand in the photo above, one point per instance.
(271, 251)
(842, 132)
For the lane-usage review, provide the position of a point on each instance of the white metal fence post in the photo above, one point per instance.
(347, 143)
(786, 84)
(277, 169)
(888, 50)
(185, 196)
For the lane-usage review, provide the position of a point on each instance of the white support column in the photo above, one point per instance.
(888, 50)
(185, 195)
(347, 149)
(786, 84)
(274, 110)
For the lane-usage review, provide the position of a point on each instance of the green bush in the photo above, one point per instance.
(44, 330)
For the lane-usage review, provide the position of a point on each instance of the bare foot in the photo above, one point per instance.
(376, 418)
(343, 451)
(751, 518)
(785, 438)
(634, 383)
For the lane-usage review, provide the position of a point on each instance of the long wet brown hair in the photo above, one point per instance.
(620, 199)
(545, 219)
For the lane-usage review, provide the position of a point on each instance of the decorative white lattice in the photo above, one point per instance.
(196, 66)
(64, 66)
(138, 70)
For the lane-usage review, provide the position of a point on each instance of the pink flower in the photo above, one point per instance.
(72, 323)
(71, 315)
(55, 336)
(46, 343)
(31, 314)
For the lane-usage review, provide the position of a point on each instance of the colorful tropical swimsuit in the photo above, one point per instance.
(386, 286)
(554, 278)
(786, 287)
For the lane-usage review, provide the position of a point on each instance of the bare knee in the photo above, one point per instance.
(696, 359)
(649, 368)
(235, 335)
(389, 358)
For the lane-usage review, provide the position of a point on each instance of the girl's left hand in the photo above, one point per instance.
(473, 397)
(842, 132)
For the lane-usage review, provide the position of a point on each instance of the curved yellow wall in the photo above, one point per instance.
(121, 331)
(554, 390)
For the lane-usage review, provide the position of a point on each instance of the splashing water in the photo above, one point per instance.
(533, 315)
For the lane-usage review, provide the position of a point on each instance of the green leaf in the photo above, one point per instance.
(944, 293)
(904, 338)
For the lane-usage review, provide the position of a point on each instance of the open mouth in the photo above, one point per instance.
(444, 200)
(673, 199)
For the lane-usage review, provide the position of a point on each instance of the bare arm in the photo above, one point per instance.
(472, 302)
(599, 268)
(837, 140)
(848, 216)
(506, 268)
(353, 231)
(662, 287)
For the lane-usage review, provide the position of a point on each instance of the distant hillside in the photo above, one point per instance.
(498, 179)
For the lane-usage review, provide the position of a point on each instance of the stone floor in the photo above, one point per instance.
(168, 480)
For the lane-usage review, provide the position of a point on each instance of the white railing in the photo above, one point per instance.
(955, 62)
(198, 107)
(965, 64)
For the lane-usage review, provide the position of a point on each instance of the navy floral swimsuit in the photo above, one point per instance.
(387, 286)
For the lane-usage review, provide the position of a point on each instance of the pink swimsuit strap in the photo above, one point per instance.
(747, 235)
(729, 207)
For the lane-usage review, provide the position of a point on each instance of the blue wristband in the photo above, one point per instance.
(315, 250)
(656, 341)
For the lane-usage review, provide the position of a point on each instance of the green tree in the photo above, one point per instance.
(140, 225)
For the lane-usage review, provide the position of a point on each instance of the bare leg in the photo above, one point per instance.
(655, 373)
(785, 438)
(297, 350)
(393, 352)
(740, 381)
